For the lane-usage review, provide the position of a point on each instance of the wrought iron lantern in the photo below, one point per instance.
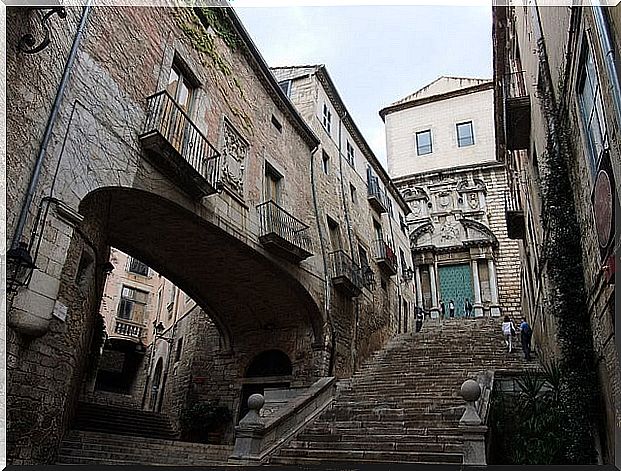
(19, 267)
(408, 274)
(28, 43)
(369, 277)
(159, 330)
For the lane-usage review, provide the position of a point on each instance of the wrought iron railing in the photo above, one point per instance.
(384, 252)
(128, 329)
(515, 84)
(136, 266)
(374, 190)
(275, 220)
(167, 118)
(342, 265)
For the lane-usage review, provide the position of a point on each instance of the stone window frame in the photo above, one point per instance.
(327, 118)
(471, 140)
(593, 154)
(325, 162)
(350, 154)
(419, 147)
(353, 192)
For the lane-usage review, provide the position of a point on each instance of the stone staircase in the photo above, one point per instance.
(112, 430)
(97, 448)
(403, 406)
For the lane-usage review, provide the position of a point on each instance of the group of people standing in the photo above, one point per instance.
(451, 307)
(524, 331)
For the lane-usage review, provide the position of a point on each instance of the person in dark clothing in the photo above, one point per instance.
(468, 308)
(442, 309)
(526, 334)
(419, 319)
(451, 308)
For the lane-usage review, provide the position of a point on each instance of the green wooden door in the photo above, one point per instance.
(455, 284)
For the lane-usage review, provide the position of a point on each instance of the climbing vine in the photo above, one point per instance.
(564, 270)
(204, 41)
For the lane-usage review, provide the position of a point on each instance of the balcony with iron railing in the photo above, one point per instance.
(517, 109)
(178, 148)
(128, 329)
(346, 274)
(514, 215)
(385, 257)
(376, 197)
(284, 234)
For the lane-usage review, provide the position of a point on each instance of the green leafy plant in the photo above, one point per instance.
(202, 418)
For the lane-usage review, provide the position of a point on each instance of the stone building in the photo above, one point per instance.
(441, 155)
(163, 133)
(558, 105)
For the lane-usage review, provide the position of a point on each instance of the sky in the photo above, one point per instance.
(376, 54)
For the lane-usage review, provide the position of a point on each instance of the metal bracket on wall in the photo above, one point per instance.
(27, 42)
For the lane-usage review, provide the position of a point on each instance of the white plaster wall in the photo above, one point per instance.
(441, 117)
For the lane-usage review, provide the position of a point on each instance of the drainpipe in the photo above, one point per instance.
(36, 172)
(327, 300)
(607, 49)
(343, 193)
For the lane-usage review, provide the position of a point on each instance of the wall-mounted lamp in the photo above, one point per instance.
(369, 277)
(159, 330)
(27, 42)
(19, 267)
(407, 274)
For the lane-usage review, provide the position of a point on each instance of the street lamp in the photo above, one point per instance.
(159, 330)
(19, 267)
(408, 274)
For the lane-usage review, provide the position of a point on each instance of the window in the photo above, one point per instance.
(379, 234)
(325, 160)
(180, 87)
(137, 267)
(273, 184)
(276, 123)
(171, 301)
(423, 142)
(591, 109)
(335, 234)
(350, 156)
(178, 349)
(465, 135)
(352, 191)
(403, 225)
(327, 118)
(285, 86)
(132, 304)
(362, 256)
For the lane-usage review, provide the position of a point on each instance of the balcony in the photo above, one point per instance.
(385, 257)
(517, 109)
(514, 215)
(128, 329)
(284, 234)
(376, 197)
(178, 148)
(346, 275)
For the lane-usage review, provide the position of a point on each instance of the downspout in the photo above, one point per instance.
(343, 193)
(60, 93)
(606, 45)
(327, 300)
(397, 282)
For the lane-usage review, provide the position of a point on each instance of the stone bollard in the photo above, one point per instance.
(473, 430)
(249, 434)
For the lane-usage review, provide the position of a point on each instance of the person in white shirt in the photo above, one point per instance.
(508, 330)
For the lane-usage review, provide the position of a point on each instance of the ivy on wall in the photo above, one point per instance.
(566, 286)
(204, 41)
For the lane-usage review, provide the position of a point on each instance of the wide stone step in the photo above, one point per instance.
(404, 444)
(360, 456)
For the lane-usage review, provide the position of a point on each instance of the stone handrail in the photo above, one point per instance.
(256, 438)
(486, 383)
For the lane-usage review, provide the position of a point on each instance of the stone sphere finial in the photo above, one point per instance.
(256, 401)
(470, 390)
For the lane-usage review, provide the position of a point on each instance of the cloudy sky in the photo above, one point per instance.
(376, 54)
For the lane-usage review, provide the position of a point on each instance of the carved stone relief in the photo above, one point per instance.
(234, 153)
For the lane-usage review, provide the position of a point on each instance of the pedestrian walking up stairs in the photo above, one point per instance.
(116, 432)
(403, 406)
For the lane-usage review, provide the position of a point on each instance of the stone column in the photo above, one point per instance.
(435, 308)
(249, 435)
(471, 426)
(419, 288)
(478, 306)
(493, 287)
